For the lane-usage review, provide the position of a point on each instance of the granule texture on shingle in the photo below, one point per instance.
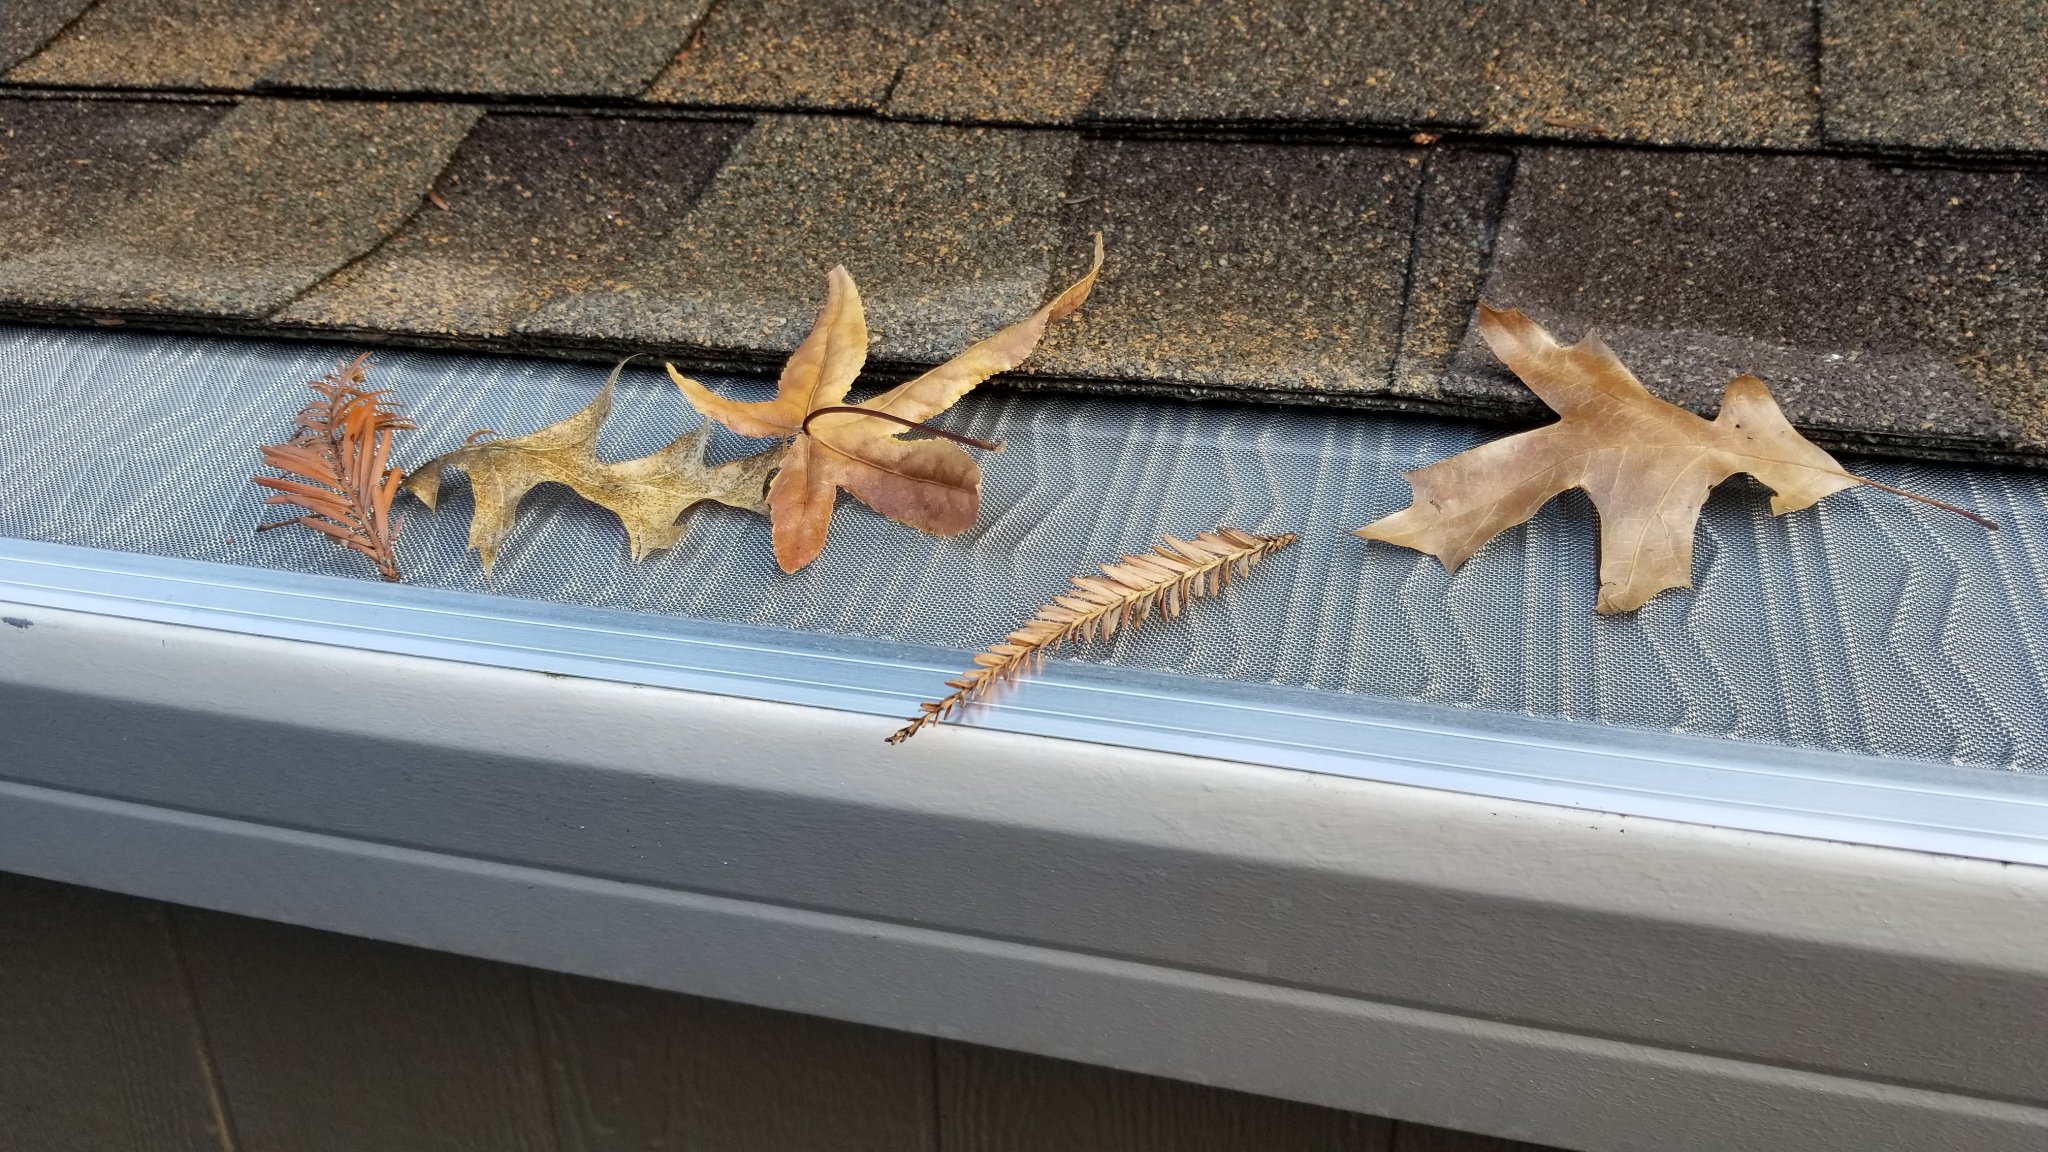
(537, 205)
(25, 25)
(1899, 308)
(278, 195)
(1463, 193)
(480, 47)
(1730, 72)
(795, 54)
(947, 231)
(203, 44)
(1968, 74)
(66, 162)
(1349, 61)
(497, 47)
(1257, 267)
(1012, 61)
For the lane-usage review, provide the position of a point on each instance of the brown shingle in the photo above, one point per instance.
(170, 44)
(1884, 306)
(64, 163)
(789, 54)
(1733, 73)
(1254, 267)
(26, 24)
(536, 205)
(947, 231)
(1728, 72)
(1955, 74)
(484, 47)
(275, 196)
(1012, 61)
(1344, 61)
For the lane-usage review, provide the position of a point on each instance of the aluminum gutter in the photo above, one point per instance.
(1990, 814)
(1529, 970)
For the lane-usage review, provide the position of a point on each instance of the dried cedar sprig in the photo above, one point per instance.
(1124, 596)
(341, 453)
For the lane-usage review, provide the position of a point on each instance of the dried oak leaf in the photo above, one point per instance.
(929, 485)
(1166, 578)
(340, 452)
(1647, 464)
(649, 495)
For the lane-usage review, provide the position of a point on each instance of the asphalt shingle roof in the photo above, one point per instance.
(481, 47)
(1958, 74)
(274, 197)
(1851, 202)
(26, 25)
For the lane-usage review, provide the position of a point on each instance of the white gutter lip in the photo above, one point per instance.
(1914, 805)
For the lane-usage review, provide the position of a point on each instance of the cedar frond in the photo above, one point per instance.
(340, 453)
(1124, 596)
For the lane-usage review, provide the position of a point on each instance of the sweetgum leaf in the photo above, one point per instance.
(929, 485)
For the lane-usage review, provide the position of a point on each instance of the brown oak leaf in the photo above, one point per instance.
(649, 495)
(1647, 464)
(929, 485)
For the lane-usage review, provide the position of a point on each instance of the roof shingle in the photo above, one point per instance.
(1462, 194)
(482, 47)
(1266, 267)
(1012, 61)
(1266, 235)
(1887, 307)
(1739, 72)
(537, 205)
(1736, 73)
(275, 196)
(947, 231)
(827, 54)
(1321, 61)
(1957, 74)
(65, 163)
(25, 25)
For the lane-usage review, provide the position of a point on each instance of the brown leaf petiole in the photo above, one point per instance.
(1928, 500)
(955, 437)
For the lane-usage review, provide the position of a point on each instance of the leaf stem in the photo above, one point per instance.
(1929, 500)
(955, 437)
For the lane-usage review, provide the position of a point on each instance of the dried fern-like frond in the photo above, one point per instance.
(1124, 596)
(340, 454)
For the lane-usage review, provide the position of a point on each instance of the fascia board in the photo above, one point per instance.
(1558, 975)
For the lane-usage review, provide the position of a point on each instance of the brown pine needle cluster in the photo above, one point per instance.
(340, 454)
(1124, 596)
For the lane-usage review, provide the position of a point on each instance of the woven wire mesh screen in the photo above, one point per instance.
(1867, 624)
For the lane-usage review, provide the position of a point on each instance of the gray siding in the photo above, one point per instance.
(133, 1026)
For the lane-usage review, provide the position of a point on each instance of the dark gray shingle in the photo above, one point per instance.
(1885, 306)
(64, 163)
(1267, 267)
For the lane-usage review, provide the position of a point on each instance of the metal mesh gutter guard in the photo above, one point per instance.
(1867, 626)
